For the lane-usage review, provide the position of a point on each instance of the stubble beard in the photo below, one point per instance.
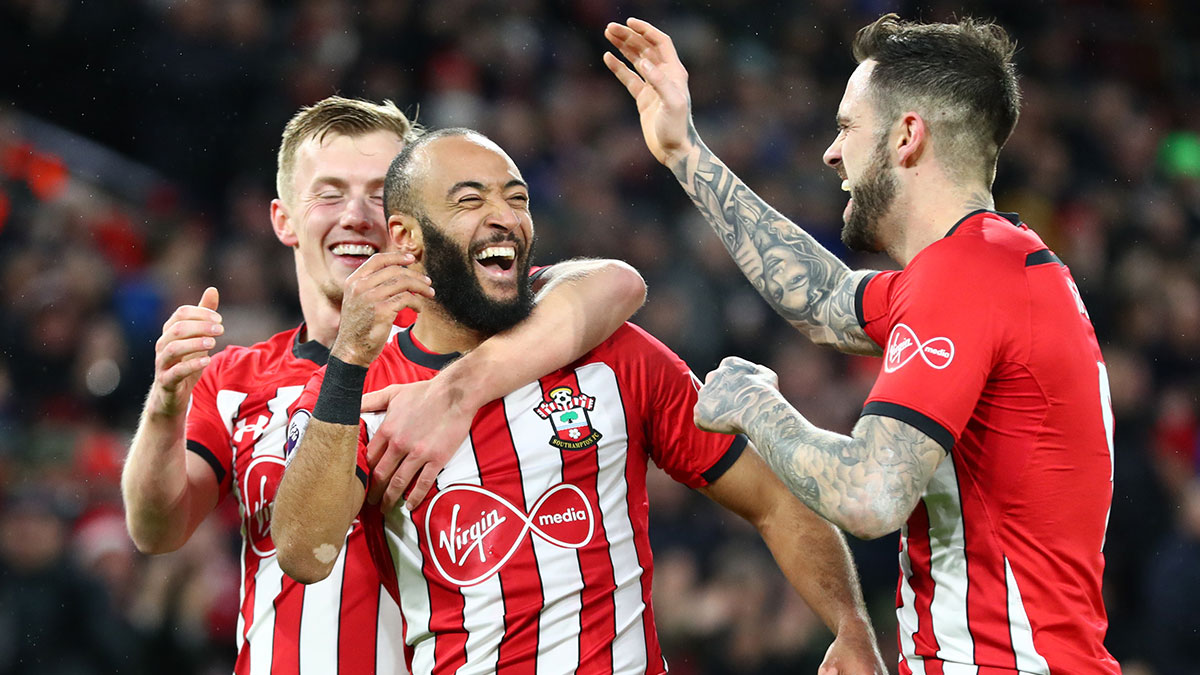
(873, 197)
(458, 289)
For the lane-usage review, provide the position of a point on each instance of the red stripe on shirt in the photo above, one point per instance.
(289, 605)
(358, 624)
(925, 643)
(598, 622)
(445, 620)
(521, 593)
(250, 561)
(638, 506)
(987, 587)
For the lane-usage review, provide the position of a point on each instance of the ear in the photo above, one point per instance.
(912, 141)
(406, 235)
(281, 222)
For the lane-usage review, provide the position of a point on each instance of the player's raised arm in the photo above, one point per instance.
(811, 553)
(803, 281)
(166, 489)
(579, 304)
(321, 491)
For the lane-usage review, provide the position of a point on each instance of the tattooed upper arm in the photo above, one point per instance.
(802, 280)
(867, 483)
(841, 327)
(905, 453)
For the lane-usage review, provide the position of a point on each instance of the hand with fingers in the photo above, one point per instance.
(731, 392)
(659, 85)
(425, 425)
(181, 354)
(374, 294)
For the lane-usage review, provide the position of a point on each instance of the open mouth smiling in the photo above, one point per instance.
(497, 258)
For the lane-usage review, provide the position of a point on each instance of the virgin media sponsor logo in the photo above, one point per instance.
(259, 483)
(903, 346)
(472, 532)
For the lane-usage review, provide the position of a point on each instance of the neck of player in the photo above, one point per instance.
(438, 332)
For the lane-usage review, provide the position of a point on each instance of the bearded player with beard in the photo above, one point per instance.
(531, 553)
(987, 438)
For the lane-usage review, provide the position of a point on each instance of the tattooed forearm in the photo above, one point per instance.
(803, 281)
(866, 483)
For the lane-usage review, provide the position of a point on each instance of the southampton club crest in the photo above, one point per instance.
(568, 414)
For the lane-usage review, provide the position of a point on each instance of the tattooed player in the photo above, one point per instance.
(987, 439)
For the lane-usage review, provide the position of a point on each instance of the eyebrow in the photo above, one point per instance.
(341, 182)
(480, 186)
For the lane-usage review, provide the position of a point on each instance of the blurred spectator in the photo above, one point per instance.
(55, 619)
(1172, 585)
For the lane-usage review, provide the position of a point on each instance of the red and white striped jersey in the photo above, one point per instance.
(532, 553)
(237, 422)
(988, 349)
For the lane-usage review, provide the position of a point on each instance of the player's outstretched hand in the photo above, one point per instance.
(853, 652)
(729, 392)
(424, 426)
(181, 354)
(659, 85)
(374, 294)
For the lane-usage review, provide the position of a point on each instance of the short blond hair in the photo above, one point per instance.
(346, 116)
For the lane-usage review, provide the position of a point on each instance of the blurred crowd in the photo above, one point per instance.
(137, 145)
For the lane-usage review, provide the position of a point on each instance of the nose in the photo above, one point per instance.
(833, 154)
(359, 214)
(504, 217)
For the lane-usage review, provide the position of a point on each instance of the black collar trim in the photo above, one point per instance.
(310, 350)
(408, 347)
(1009, 216)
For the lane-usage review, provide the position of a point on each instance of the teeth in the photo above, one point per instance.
(496, 252)
(846, 185)
(354, 249)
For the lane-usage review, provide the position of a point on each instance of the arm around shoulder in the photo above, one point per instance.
(580, 303)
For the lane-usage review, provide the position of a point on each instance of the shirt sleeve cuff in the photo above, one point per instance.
(208, 456)
(731, 455)
(920, 421)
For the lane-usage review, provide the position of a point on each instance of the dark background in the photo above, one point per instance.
(137, 160)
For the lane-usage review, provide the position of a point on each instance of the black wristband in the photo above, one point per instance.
(341, 393)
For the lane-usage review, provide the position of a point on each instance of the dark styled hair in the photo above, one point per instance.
(958, 76)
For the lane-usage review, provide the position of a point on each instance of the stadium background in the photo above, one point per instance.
(137, 144)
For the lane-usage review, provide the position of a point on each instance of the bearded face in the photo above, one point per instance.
(451, 268)
(873, 197)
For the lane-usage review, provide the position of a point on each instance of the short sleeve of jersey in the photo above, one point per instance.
(693, 457)
(940, 321)
(207, 434)
(300, 414)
